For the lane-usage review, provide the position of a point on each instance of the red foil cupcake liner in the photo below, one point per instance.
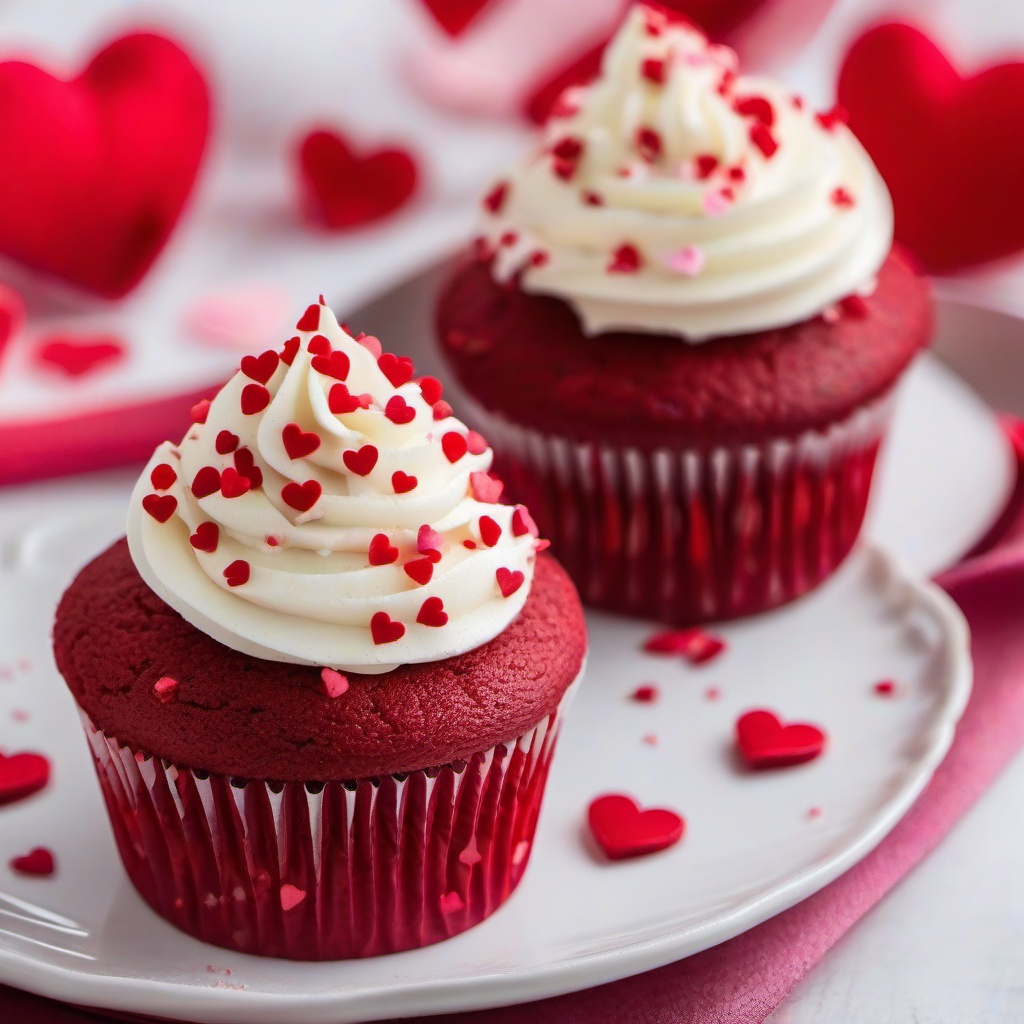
(313, 871)
(687, 535)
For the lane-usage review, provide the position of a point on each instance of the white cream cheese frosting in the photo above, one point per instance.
(329, 510)
(674, 196)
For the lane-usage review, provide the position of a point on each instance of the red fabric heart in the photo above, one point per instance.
(299, 443)
(77, 356)
(39, 862)
(340, 189)
(455, 16)
(622, 829)
(21, 775)
(432, 613)
(384, 629)
(104, 162)
(361, 462)
(764, 742)
(302, 497)
(949, 148)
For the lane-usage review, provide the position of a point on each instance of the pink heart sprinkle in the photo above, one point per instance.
(291, 896)
(688, 261)
(450, 902)
(335, 684)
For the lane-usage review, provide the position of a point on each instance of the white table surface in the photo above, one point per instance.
(947, 944)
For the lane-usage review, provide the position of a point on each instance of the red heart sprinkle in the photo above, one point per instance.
(162, 477)
(485, 488)
(842, 198)
(397, 369)
(310, 319)
(165, 688)
(625, 260)
(646, 694)
(299, 443)
(238, 572)
(206, 538)
(756, 107)
(290, 351)
(340, 400)
(255, 398)
(508, 581)
(399, 411)
(336, 365)
(21, 775)
(451, 902)
(420, 570)
(302, 497)
(319, 345)
(432, 613)
(226, 442)
(342, 189)
(653, 70)
(764, 742)
(523, 524)
(696, 645)
(233, 484)
(855, 307)
(761, 137)
(454, 446)
(382, 551)
(384, 629)
(622, 829)
(261, 368)
(245, 463)
(886, 688)
(648, 144)
(429, 541)
(334, 683)
(831, 119)
(206, 482)
(361, 462)
(490, 531)
(495, 199)
(76, 357)
(476, 443)
(39, 862)
(160, 507)
(431, 389)
(403, 482)
(200, 411)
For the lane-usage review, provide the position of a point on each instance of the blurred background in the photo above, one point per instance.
(348, 143)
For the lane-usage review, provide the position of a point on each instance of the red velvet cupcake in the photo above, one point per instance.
(683, 329)
(323, 676)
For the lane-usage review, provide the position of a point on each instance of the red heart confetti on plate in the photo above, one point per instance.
(341, 189)
(21, 775)
(76, 356)
(949, 147)
(623, 829)
(764, 742)
(105, 161)
(455, 16)
(39, 862)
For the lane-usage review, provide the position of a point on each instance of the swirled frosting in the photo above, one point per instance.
(674, 196)
(329, 510)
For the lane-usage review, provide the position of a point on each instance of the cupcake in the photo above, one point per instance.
(323, 676)
(682, 330)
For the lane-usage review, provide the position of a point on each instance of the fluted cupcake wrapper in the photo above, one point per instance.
(687, 535)
(312, 871)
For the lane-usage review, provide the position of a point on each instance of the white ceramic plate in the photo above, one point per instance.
(755, 844)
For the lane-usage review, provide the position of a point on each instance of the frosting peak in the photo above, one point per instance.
(329, 510)
(675, 196)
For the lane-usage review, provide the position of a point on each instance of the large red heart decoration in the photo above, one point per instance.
(622, 829)
(764, 742)
(950, 148)
(21, 775)
(341, 189)
(95, 170)
(455, 16)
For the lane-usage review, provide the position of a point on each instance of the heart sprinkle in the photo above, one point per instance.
(200, 411)
(646, 694)
(622, 829)
(397, 369)
(688, 261)
(299, 444)
(490, 531)
(206, 482)
(625, 260)
(262, 367)
(161, 508)
(361, 462)
(237, 573)
(310, 320)
(77, 357)
(340, 400)
(382, 551)
(432, 613)
(431, 389)
(162, 477)
(485, 487)
(334, 683)
(403, 482)
(165, 688)
(255, 398)
(40, 862)
(226, 442)
(420, 570)
(509, 581)
(764, 742)
(495, 199)
(384, 629)
(399, 411)
(451, 902)
(454, 446)
(206, 538)
(21, 775)
(695, 645)
(886, 688)
(336, 365)
(291, 896)
(302, 497)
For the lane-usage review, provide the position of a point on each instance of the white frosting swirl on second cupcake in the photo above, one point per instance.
(672, 196)
(332, 512)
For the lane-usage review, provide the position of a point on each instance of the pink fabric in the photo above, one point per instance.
(744, 980)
